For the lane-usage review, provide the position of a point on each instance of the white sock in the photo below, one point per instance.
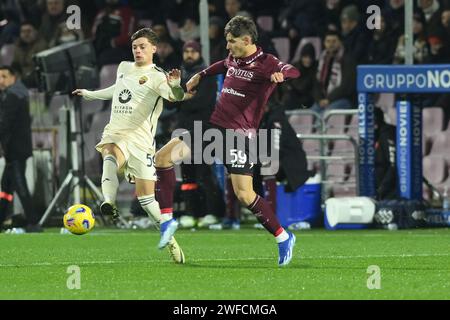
(166, 217)
(151, 207)
(283, 236)
(110, 181)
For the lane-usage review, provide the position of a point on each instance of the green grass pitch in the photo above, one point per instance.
(125, 264)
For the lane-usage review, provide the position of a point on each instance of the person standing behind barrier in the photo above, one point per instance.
(385, 157)
(198, 177)
(15, 138)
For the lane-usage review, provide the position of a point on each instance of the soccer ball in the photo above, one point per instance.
(79, 219)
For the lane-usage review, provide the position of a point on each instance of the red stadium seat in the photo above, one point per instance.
(353, 127)
(282, 46)
(386, 101)
(336, 124)
(92, 157)
(145, 23)
(311, 147)
(7, 54)
(173, 29)
(446, 183)
(343, 148)
(265, 23)
(434, 169)
(302, 123)
(108, 75)
(337, 172)
(441, 145)
(433, 121)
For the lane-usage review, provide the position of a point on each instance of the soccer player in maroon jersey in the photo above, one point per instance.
(250, 77)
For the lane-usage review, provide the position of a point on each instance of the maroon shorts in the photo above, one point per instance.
(236, 151)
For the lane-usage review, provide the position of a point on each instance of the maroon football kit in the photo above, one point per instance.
(246, 89)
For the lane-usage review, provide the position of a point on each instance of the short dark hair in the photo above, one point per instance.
(10, 69)
(332, 33)
(242, 26)
(29, 23)
(148, 33)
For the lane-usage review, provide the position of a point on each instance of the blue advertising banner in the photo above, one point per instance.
(404, 78)
(409, 150)
(366, 134)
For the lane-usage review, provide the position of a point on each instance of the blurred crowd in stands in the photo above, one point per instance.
(325, 39)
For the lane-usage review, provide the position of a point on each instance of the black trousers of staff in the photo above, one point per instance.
(13, 180)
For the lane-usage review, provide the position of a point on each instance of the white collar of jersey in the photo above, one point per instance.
(151, 65)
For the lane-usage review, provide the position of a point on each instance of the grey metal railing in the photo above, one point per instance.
(320, 123)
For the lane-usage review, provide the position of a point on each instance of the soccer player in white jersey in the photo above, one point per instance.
(128, 142)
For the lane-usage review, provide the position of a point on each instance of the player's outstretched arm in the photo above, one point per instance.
(193, 82)
(102, 94)
(174, 81)
(282, 71)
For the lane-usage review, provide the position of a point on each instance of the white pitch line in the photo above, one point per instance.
(45, 264)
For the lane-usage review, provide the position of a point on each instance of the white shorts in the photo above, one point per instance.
(138, 163)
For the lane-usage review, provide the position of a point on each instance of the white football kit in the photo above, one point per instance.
(136, 106)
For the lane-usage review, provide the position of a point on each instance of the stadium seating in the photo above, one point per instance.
(342, 148)
(337, 172)
(89, 109)
(385, 101)
(173, 29)
(302, 123)
(336, 124)
(311, 147)
(435, 169)
(282, 45)
(433, 121)
(353, 127)
(441, 186)
(265, 23)
(92, 157)
(315, 41)
(145, 23)
(441, 145)
(108, 75)
(7, 54)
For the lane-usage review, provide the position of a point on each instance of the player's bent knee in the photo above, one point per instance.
(145, 187)
(245, 197)
(170, 153)
(112, 149)
(162, 159)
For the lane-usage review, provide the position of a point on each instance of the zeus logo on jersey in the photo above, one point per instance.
(125, 96)
(239, 73)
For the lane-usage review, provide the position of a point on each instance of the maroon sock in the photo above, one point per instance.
(265, 215)
(165, 187)
(270, 191)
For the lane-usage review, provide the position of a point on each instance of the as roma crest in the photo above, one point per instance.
(143, 80)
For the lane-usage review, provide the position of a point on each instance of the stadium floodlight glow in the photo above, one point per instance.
(396, 79)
